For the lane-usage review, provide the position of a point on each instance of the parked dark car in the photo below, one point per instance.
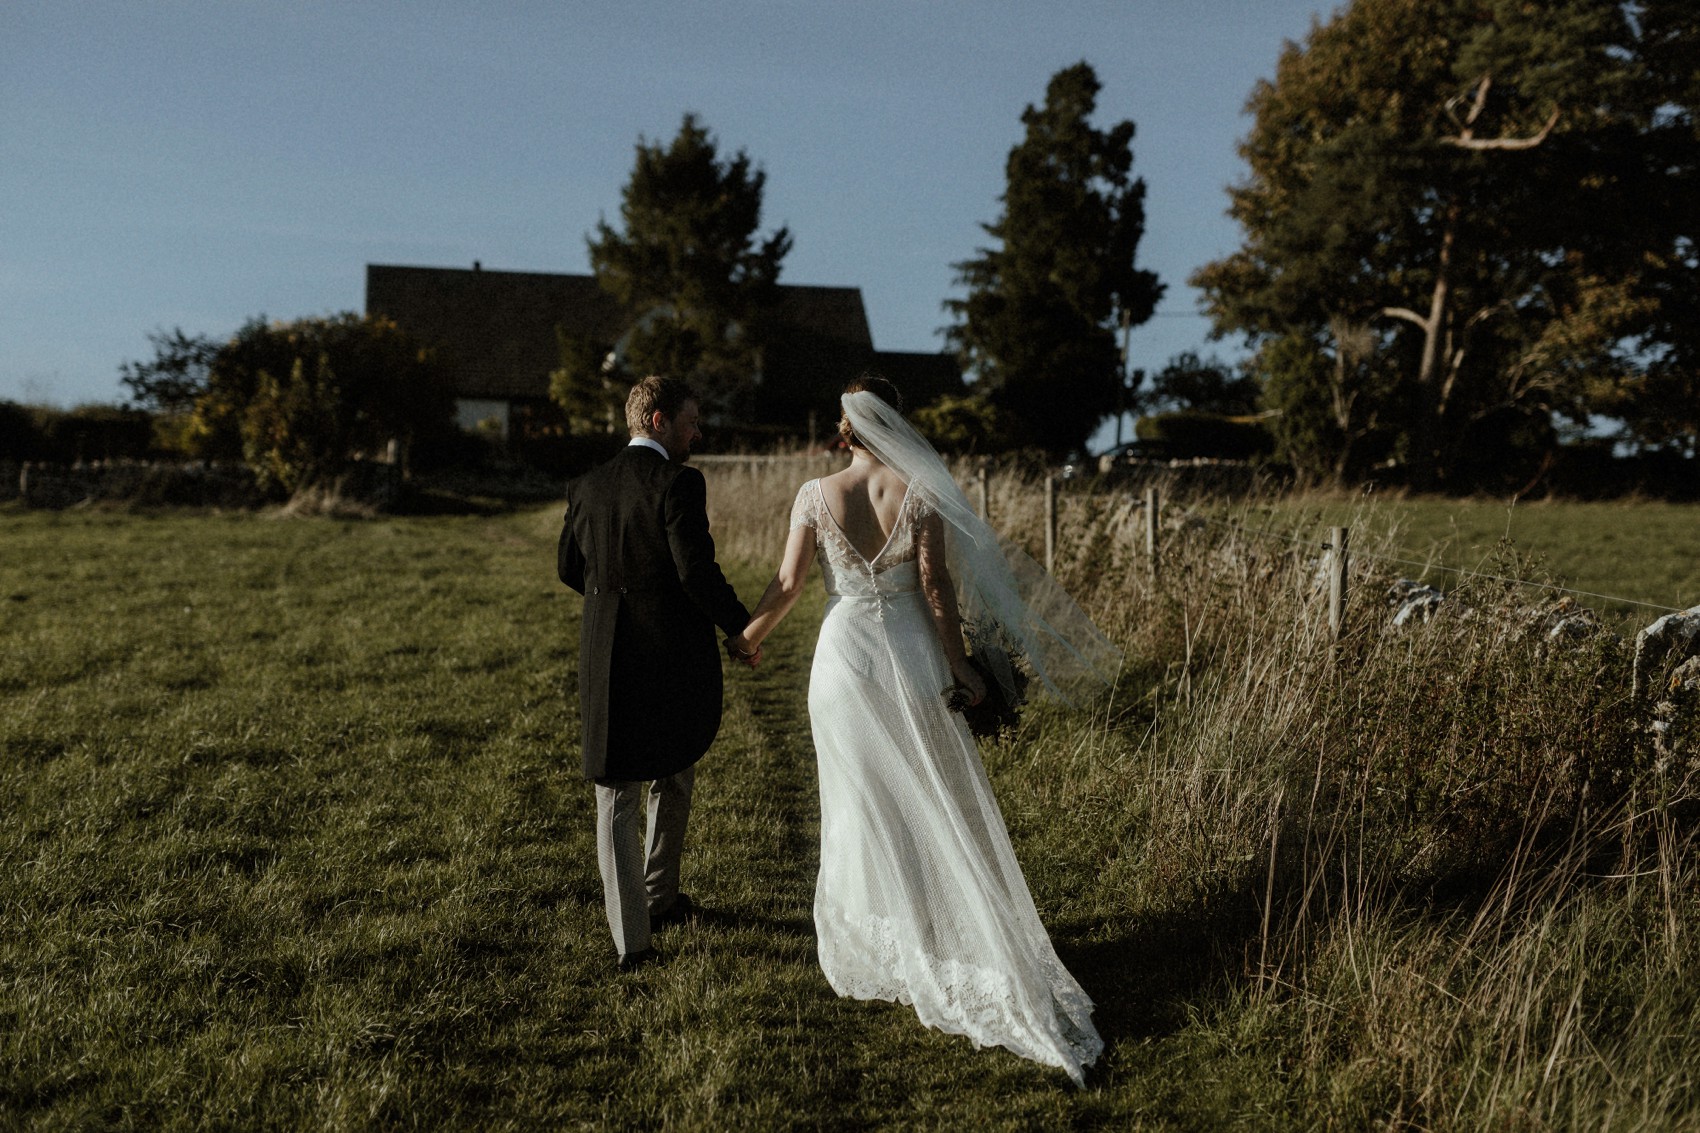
(1133, 452)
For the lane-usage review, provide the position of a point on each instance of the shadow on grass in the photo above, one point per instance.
(477, 492)
(1148, 978)
(434, 501)
(1152, 974)
(735, 920)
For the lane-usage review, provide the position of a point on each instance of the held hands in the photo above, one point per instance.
(742, 651)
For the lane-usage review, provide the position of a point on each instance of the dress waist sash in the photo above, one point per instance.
(874, 596)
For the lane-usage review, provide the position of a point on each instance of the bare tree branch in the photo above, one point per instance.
(1469, 143)
(1476, 106)
(1486, 312)
(1407, 314)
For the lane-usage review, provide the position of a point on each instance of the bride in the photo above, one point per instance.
(919, 898)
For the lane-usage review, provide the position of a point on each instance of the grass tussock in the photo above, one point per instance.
(296, 840)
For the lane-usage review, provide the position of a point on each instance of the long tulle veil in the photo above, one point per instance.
(1010, 605)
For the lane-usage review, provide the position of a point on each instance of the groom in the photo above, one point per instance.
(636, 545)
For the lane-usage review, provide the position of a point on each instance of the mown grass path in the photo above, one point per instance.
(295, 839)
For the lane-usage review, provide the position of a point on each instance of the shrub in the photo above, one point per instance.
(1190, 433)
(962, 425)
(20, 436)
(87, 432)
(300, 402)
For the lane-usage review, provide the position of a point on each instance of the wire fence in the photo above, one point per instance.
(1267, 534)
(1426, 564)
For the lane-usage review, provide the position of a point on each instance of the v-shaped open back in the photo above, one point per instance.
(896, 525)
(846, 569)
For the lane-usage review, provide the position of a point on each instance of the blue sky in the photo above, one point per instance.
(195, 162)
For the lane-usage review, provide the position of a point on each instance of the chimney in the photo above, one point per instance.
(477, 265)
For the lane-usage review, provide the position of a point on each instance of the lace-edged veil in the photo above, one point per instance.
(1001, 591)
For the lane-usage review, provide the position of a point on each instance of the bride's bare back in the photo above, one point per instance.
(865, 503)
(865, 500)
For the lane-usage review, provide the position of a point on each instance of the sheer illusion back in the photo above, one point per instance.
(919, 897)
(844, 568)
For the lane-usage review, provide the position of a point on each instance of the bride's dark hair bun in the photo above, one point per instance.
(877, 385)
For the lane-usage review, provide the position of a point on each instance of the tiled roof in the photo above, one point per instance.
(495, 330)
(921, 377)
(831, 312)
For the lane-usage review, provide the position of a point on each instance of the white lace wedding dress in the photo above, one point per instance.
(919, 899)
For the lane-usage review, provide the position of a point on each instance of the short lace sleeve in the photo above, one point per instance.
(921, 504)
(803, 509)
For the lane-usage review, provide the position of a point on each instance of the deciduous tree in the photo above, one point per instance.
(298, 401)
(1462, 183)
(1659, 400)
(172, 380)
(1208, 385)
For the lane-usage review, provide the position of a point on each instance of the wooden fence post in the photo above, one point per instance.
(1050, 524)
(1337, 544)
(1153, 500)
(985, 492)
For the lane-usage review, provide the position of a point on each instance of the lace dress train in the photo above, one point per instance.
(919, 898)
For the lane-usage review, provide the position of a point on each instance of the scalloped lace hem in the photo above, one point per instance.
(863, 958)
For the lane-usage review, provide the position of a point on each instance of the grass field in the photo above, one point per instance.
(1646, 552)
(295, 839)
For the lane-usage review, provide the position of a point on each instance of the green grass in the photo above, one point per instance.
(1645, 552)
(295, 839)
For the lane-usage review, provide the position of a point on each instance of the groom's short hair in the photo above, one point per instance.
(656, 394)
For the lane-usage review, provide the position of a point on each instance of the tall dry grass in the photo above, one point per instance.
(1421, 877)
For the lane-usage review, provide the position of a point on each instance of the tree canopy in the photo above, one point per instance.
(1208, 385)
(689, 270)
(1457, 216)
(1038, 324)
(175, 376)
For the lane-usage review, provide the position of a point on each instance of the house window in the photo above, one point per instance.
(482, 415)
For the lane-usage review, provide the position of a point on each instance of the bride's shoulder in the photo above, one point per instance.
(803, 507)
(922, 501)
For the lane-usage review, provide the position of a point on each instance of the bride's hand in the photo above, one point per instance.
(969, 678)
(743, 651)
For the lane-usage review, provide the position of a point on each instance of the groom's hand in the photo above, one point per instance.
(742, 651)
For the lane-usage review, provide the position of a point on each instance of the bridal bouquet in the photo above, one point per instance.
(1003, 668)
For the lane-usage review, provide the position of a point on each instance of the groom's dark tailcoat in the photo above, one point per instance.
(636, 544)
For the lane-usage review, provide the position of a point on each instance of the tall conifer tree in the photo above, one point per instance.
(689, 270)
(1038, 325)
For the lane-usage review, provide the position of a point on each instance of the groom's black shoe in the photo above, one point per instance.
(639, 959)
(682, 909)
